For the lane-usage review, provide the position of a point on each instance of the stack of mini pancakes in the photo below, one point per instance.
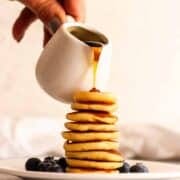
(91, 144)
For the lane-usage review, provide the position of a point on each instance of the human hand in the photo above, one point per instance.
(51, 12)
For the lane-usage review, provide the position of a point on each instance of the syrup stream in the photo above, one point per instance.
(97, 49)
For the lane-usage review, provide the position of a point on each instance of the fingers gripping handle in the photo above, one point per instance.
(55, 24)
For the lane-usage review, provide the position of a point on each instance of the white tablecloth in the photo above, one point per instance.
(40, 136)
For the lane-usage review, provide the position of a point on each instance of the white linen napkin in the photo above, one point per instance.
(150, 141)
(42, 136)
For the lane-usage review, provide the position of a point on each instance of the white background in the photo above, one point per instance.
(145, 64)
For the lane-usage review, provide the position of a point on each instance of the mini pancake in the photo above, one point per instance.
(99, 97)
(93, 164)
(83, 170)
(84, 127)
(89, 136)
(90, 146)
(94, 107)
(96, 156)
(89, 116)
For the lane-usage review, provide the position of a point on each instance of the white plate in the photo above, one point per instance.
(158, 171)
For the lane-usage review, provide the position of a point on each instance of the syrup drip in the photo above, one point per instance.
(96, 48)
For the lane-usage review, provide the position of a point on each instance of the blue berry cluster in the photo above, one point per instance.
(137, 168)
(49, 164)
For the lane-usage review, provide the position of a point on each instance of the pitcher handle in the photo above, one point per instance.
(53, 26)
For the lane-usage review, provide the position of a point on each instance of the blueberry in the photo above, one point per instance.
(139, 168)
(55, 168)
(44, 166)
(125, 168)
(32, 164)
(62, 162)
(49, 158)
(57, 161)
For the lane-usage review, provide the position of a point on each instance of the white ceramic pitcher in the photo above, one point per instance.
(65, 64)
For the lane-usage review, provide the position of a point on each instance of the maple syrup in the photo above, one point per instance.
(96, 48)
(96, 41)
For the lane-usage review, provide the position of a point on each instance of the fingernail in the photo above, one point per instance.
(19, 38)
(53, 25)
